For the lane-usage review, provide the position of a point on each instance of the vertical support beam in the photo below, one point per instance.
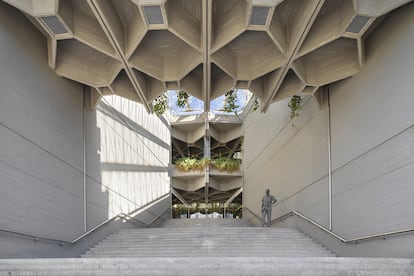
(207, 146)
(207, 25)
(206, 46)
(207, 150)
(329, 160)
(84, 161)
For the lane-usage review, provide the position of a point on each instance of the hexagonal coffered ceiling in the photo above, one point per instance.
(139, 48)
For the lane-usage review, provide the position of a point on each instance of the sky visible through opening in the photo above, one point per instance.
(197, 105)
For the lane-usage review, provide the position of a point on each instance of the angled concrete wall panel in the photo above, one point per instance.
(372, 151)
(42, 127)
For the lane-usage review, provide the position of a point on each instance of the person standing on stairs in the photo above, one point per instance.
(267, 201)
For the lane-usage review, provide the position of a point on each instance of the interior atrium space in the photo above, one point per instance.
(145, 133)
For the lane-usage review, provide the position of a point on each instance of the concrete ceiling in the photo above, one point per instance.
(139, 48)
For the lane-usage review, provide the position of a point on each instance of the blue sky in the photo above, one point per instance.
(216, 105)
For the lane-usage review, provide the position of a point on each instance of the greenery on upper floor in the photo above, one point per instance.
(222, 164)
(226, 164)
(186, 164)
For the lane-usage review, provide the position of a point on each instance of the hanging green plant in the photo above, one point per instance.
(160, 104)
(295, 106)
(231, 97)
(256, 104)
(182, 99)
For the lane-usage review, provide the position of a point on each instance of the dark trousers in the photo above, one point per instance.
(266, 216)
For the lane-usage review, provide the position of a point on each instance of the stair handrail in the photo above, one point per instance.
(251, 212)
(353, 240)
(129, 219)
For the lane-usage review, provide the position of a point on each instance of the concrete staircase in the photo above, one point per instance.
(233, 241)
(208, 247)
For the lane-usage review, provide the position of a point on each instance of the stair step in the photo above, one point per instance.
(196, 237)
(216, 234)
(207, 234)
(161, 246)
(201, 250)
(209, 266)
(213, 254)
(211, 223)
(267, 229)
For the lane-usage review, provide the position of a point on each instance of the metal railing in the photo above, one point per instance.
(314, 223)
(127, 217)
(256, 216)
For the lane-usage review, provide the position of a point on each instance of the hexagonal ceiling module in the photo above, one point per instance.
(140, 48)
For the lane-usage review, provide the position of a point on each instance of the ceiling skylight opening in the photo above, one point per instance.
(181, 103)
(221, 105)
(259, 16)
(153, 15)
(358, 24)
(54, 25)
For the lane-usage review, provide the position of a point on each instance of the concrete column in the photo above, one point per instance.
(207, 155)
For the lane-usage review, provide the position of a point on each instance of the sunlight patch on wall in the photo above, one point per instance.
(135, 152)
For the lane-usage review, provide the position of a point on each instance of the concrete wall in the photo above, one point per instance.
(134, 152)
(41, 150)
(372, 128)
